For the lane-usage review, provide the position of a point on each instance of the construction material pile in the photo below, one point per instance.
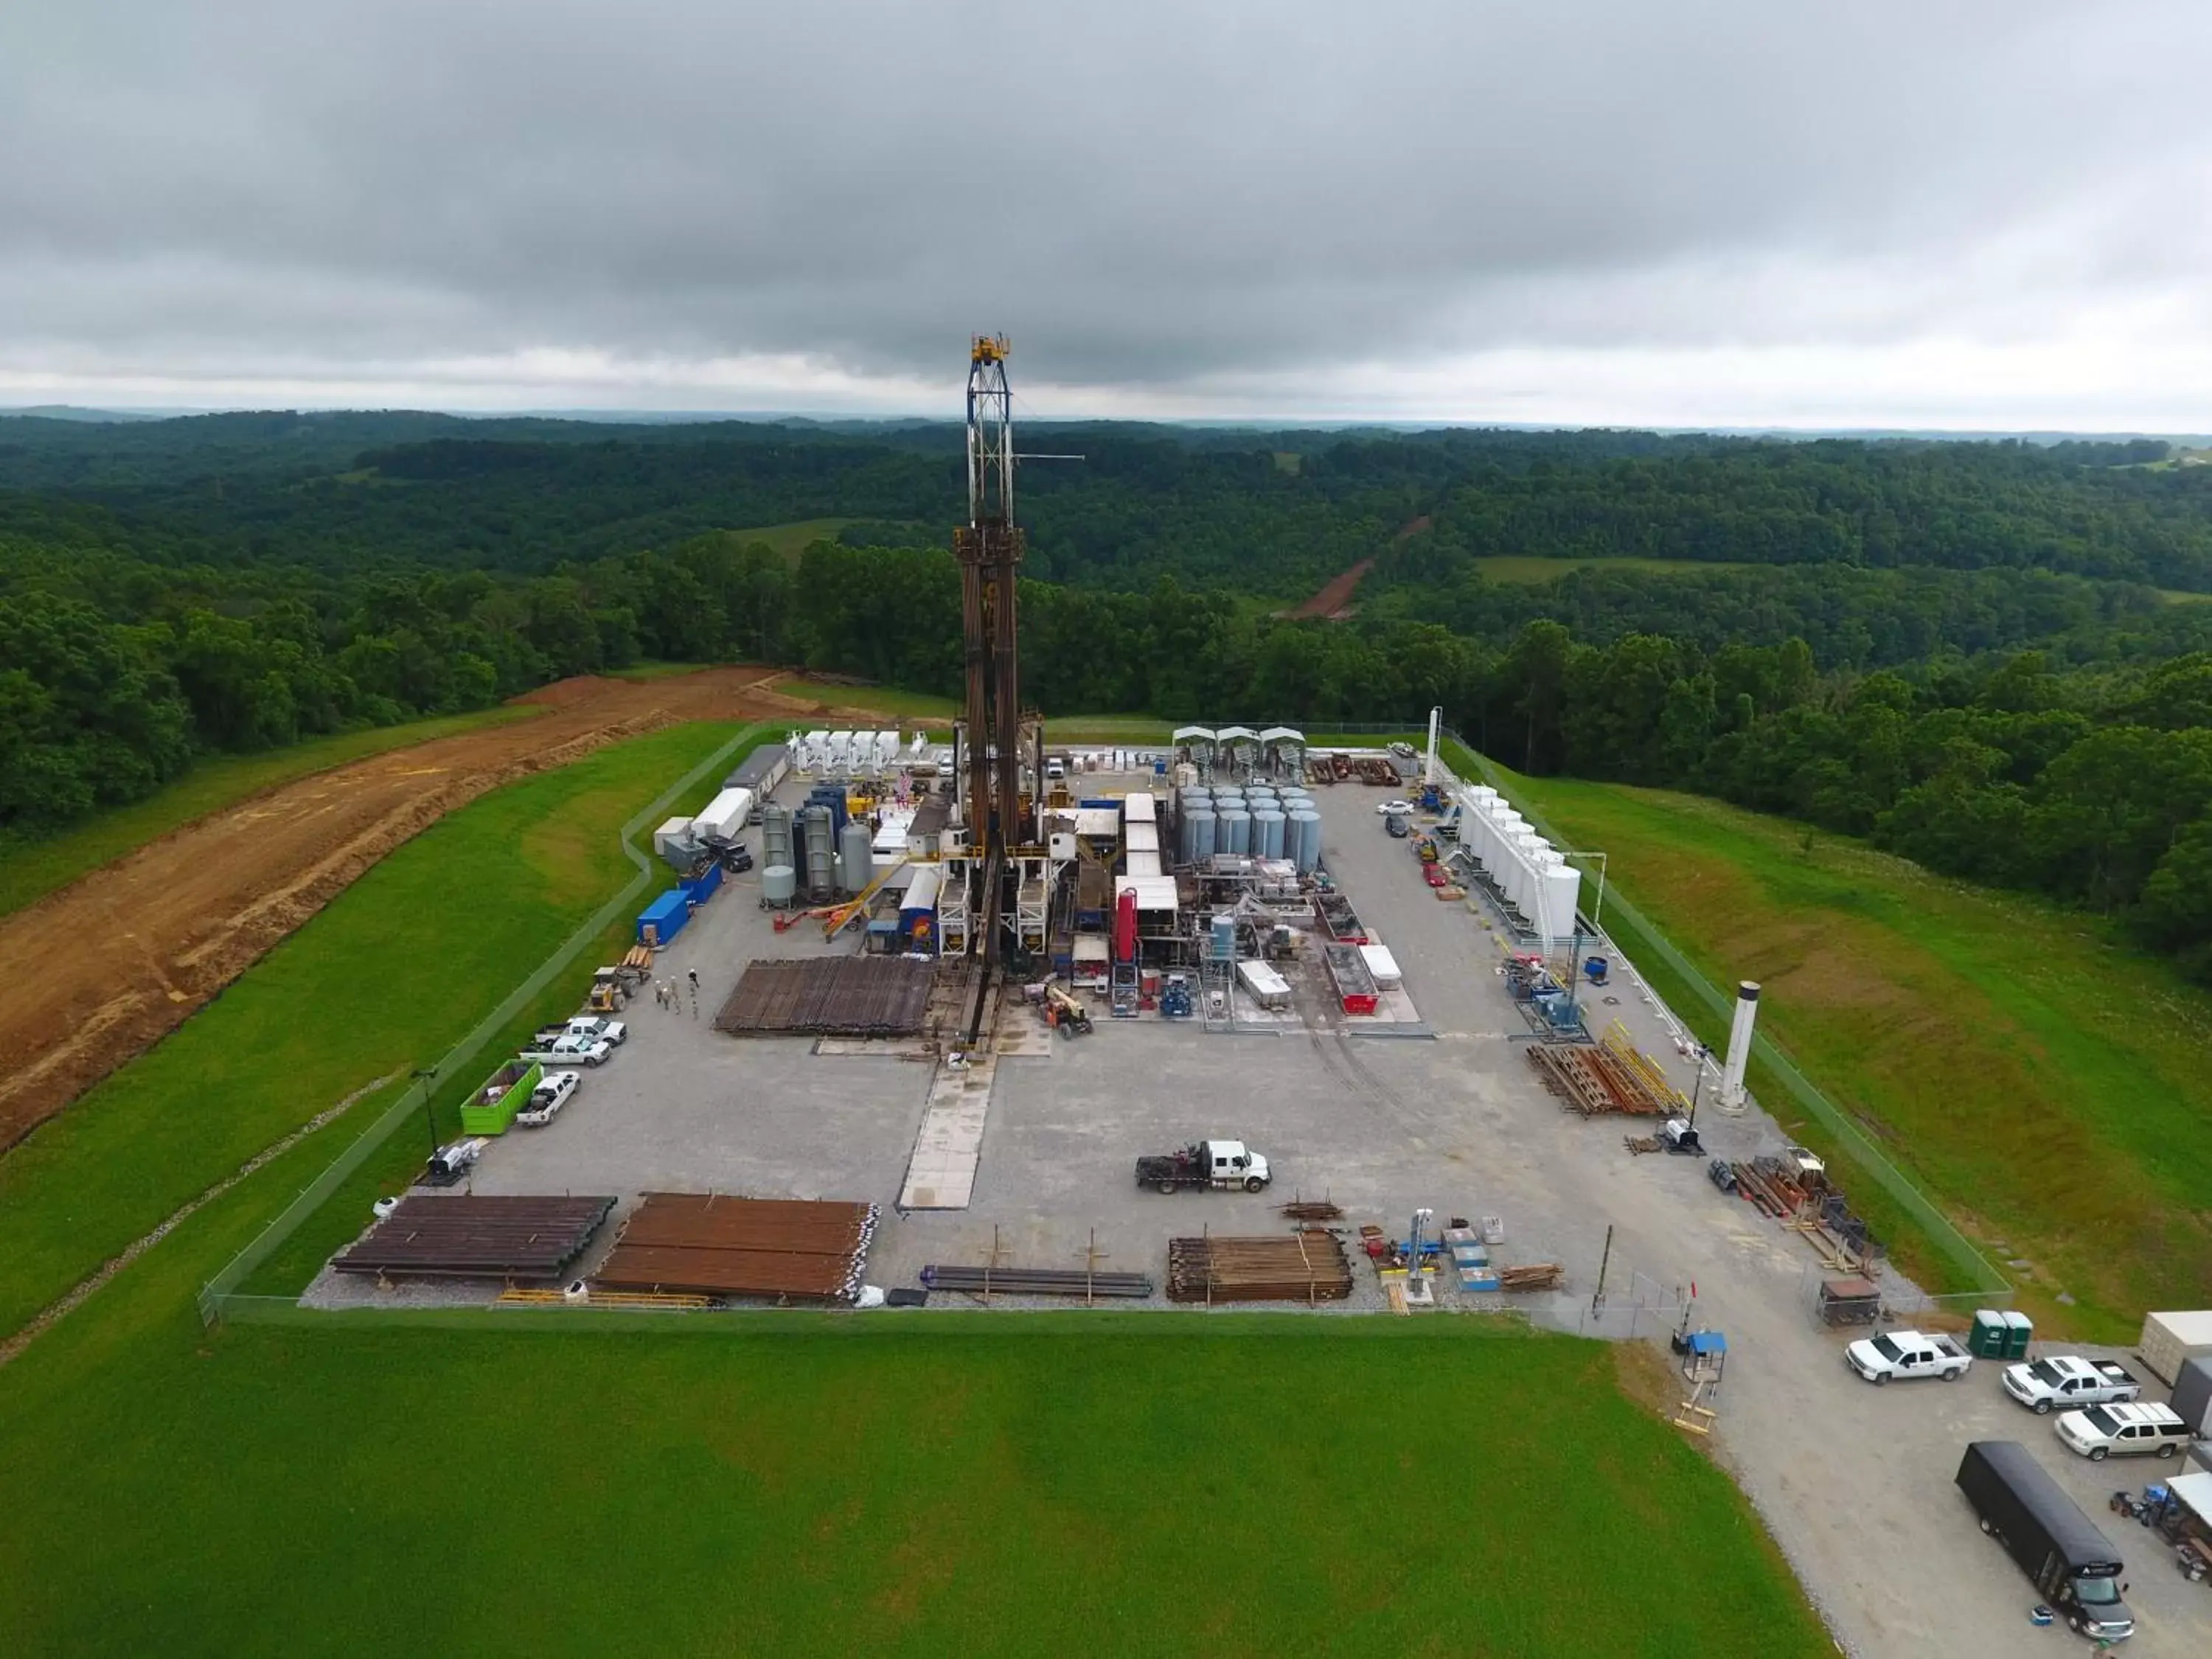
(1311, 1209)
(1035, 1281)
(430, 1237)
(1380, 773)
(1534, 1276)
(1593, 1079)
(792, 1249)
(1302, 1266)
(829, 996)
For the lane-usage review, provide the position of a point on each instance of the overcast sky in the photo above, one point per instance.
(1926, 214)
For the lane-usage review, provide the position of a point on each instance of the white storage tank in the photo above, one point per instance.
(1234, 834)
(1559, 888)
(1307, 855)
(856, 855)
(2171, 1340)
(779, 884)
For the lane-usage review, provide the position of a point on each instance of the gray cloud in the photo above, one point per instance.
(1298, 207)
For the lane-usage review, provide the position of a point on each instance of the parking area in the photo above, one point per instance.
(1854, 1482)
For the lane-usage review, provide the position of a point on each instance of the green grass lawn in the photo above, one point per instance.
(29, 870)
(388, 977)
(1527, 568)
(924, 1484)
(2048, 1087)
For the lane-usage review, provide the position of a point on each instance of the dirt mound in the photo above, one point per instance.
(104, 968)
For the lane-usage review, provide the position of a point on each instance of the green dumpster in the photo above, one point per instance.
(1988, 1338)
(2019, 1330)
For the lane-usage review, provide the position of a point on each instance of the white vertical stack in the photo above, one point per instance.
(1739, 1049)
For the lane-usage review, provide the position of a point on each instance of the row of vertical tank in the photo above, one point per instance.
(1259, 821)
(816, 848)
(1534, 875)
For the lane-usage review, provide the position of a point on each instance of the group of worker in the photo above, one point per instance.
(669, 994)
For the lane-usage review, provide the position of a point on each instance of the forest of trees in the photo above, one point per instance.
(2023, 709)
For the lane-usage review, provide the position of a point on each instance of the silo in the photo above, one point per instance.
(775, 836)
(1305, 827)
(1235, 835)
(857, 856)
(1267, 833)
(779, 884)
(817, 853)
(1202, 830)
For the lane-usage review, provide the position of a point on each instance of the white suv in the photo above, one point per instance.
(2101, 1432)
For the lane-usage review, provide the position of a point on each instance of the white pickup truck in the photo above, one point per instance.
(612, 1032)
(1907, 1353)
(2067, 1381)
(547, 1099)
(569, 1050)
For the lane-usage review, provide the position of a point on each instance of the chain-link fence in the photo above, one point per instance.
(218, 1296)
(1624, 921)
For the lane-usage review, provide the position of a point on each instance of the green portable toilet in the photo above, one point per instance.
(2019, 1330)
(1987, 1339)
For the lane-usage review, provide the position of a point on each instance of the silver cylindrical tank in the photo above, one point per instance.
(1306, 827)
(779, 883)
(775, 836)
(856, 857)
(1204, 831)
(1235, 834)
(818, 853)
(1268, 834)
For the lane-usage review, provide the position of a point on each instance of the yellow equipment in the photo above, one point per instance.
(988, 348)
(840, 917)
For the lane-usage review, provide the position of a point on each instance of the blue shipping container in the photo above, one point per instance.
(666, 916)
(701, 888)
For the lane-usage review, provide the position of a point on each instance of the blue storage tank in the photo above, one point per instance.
(665, 916)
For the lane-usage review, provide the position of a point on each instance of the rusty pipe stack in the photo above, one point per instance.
(788, 1249)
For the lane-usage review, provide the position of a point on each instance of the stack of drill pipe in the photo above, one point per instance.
(717, 1246)
(1303, 1209)
(1035, 1281)
(1304, 1266)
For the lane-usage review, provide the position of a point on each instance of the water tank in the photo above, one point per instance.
(1268, 834)
(817, 853)
(1223, 947)
(1202, 831)
(779, 883)
(1234, 834)
(856, 857)
(1305, 826)
(775, 836)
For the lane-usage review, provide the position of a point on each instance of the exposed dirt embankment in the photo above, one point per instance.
(99, 972)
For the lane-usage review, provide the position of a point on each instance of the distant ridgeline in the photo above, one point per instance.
(1957, 648)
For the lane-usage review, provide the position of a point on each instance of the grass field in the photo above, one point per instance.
(794, 539)
(31, 870)
(1526, 567)
(395, 970)
(983, 1484)
(2049, 1087)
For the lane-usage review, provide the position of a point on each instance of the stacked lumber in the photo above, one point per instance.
(1304, 1266)
(1536, 1276)
(710, 1245)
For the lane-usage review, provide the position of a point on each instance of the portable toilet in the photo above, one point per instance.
(2020, 1331)
(1989, 1336)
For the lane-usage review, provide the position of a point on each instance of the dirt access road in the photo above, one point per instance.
(99, 972)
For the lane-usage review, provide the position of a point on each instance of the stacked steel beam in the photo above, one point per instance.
(829, 996)
(1592, 1080)
(1035, 1281)
(1300, 1267)
(788, 1248)
(472, 1237)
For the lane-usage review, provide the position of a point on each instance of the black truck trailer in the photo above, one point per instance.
(2060, 1549)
